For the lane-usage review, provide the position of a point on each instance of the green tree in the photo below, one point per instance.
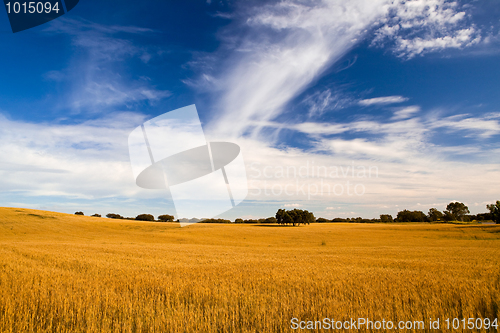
(484, 216)
(96, 215)
(386, 218)
(271, 219)
(458, 210)
(114, 216)
(434, 215)
(79, 213)
(411, 216)
(215, 221)
(166, 218)
(238, 220)
(495, 211)
(280, 215)
(287, 219)
(294, 217)
(145, 217)
(447, 216)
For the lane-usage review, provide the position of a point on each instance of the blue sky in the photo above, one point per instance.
(406, 88)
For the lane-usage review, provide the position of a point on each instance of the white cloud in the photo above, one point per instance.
(382, 100)
(461, 38)
(405, 112)
(420, 26)
(102, 93)
(96, 79)
(326, 100)
(289, 45)
(410, 127)
(98, 39)
(482, 127)
(492, 115)
(87, 160)
(405, 171)
(320, 128)
(362, 148)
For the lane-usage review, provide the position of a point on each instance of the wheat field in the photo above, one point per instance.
(67, 273)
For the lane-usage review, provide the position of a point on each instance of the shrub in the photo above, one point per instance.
(238, 220)
(215, 221)
(79, 213)
(435, 215)
(494, 211)
(166, 218)
(145, 217)
(411, 216)
(484, 216)
(271, 219)
(447, 216)
(96, 215)
(386, 218)
(362, 220)
(114, 216)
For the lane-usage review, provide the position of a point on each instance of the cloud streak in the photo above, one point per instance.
(289, 45)
(482, 126)
(405, 112)
(382, 100)
(97, 79)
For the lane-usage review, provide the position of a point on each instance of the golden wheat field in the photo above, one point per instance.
(67, 273)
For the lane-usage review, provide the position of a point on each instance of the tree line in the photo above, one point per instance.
(455, 211)
(140, 217)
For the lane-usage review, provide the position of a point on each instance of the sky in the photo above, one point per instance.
(345, 108)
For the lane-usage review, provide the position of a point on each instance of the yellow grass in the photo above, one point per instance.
(66, 273)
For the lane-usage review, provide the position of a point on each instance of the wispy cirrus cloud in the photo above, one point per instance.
(382, 100)
(405, 123)
(484, 127)
(97, 78)
(405, 112)
(103, 42)
(289, 44)
(326, 100)
(101, 93)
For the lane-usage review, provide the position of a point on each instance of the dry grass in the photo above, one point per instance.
(65, 273)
